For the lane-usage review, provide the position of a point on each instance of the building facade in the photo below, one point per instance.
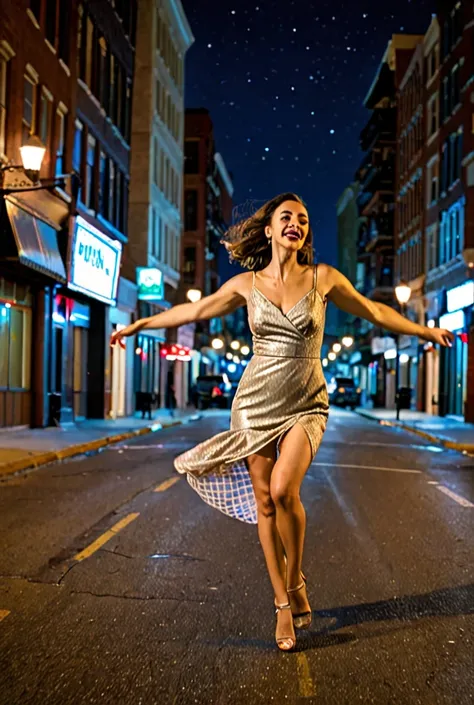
(449, 228)
(207, 215)
(410, 212)
(156, 194)
(37, 97)
(376, 200)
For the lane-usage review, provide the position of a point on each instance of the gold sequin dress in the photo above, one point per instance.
(282, 385)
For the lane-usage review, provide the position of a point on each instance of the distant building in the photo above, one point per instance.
(207, 215)
(156, 188)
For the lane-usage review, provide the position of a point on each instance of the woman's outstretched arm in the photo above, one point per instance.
(228, 298)
(346, 297)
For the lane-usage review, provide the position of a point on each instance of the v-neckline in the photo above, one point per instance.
(285, 315)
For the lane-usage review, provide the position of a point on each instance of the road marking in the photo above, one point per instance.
(457, 498)
(3, 614)
(306, 685)
(95, 545)
(368, 467)
(167, 484)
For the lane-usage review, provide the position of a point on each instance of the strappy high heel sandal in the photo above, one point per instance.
(301, 620)
(285, 643)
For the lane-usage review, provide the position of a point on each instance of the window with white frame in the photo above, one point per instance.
(431, 247)
(432, 181)
(89, 190)
(6, 53)
(45, 111)
(433, 114)
(30, 86)
(61, 117)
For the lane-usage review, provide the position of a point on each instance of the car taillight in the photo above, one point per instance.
(216, 392)
(341, 390)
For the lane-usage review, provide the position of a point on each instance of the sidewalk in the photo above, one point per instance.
(32, 447)
(445, 431)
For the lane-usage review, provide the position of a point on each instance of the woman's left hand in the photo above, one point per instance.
(441, 336)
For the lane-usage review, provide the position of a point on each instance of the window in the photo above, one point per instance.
(445, 111)
(156, 161)
(15, 347)
(50, 21)
(35, 7)
(103, 184)
(455, 96)
(88, 48)
(191, 157)
(433, 108)
(190, 209)
(6, 53)
(89, 190)
(77, 147)
(61, 116)
(103, 78)
(29, 104)
(64, 31)
(111, 198)
(44, 116)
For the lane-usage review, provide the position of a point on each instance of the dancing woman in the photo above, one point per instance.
(254, 471)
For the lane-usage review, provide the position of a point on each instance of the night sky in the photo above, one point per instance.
(284, 83)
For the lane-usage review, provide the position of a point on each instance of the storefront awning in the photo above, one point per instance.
(36, 243)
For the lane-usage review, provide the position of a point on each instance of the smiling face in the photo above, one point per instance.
(289, 226)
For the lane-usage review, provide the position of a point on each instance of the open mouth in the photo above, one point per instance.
(292, 235)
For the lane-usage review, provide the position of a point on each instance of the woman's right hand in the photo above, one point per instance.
(118, 335)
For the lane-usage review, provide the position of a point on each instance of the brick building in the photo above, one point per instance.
(37, 97)
(207, 214)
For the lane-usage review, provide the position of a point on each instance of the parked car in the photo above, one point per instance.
(345, 393)
(213, 391)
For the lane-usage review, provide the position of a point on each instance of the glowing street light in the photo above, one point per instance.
(32, 154)
(194, 295)
(403, 293)
(347, 341)
(235, 345)
(337, 347)
(245, 350)
(332, 356)
(325, 362)
(217, 344)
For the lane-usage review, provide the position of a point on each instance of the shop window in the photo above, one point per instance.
(15, 347)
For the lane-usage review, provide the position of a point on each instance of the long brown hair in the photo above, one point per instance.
(248, 245)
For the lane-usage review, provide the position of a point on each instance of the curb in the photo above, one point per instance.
(451, 445)
(36, 461)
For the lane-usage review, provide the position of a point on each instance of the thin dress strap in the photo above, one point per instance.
(253, 277)
(315, 280)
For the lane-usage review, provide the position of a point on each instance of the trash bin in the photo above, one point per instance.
(54, 411)
(404, 397)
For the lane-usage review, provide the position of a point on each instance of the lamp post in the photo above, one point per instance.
(403, 293)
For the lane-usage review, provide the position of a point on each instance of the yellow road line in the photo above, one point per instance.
(95, 545)
(306, 684)
(167, 484)
(3, 614)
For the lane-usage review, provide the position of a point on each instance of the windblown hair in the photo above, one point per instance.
(248, 245)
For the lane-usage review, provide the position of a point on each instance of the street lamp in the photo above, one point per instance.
(245, 350)
(235, 345)
(332, 356)
(194, 295)
(337, 347)
(32, 154)
(348, 341)
(217, 344)
(403, 293)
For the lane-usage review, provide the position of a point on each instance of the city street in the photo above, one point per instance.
(172, 604)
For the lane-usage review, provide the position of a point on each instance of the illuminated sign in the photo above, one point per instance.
(461, 296)
(452, 321)
(95, 263)
(150, 284)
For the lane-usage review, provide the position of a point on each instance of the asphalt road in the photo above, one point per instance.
(174, 605)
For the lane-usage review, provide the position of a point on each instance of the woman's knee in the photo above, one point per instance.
(265, 505)
(284, 495)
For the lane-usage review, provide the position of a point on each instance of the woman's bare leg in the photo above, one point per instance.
(260, 467)
(288, 473)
